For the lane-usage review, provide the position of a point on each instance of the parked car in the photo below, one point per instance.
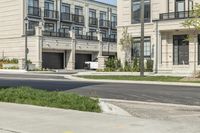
(92, 65)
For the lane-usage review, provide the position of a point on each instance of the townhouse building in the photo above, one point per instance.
(165, 36)
(62, 34)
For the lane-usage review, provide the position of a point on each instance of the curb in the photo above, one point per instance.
(151, 103)
(74, 77)
(109, 108)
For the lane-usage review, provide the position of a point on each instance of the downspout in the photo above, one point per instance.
(157, 41)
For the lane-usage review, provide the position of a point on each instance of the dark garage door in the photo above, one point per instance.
(52, 60)
(81, 59)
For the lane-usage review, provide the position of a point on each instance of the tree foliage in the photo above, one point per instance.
(126, 40)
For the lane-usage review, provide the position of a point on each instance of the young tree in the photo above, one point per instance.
(193, 26)
(126, 43)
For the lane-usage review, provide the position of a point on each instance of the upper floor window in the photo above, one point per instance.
(33, 3)
(49, 27)
(114, 18)
(49, 5)
(102, 15)
(78, 10)
(191, 5)
(92, 13)
(65, 8)
(136, 11)
(180, 6)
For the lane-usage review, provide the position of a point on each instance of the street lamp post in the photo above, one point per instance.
(142, 40)
(26, 44)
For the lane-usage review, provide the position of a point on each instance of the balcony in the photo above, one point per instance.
(66, 17)
(93, 22)
(113, 25)
(34, 11)
(56, 34)
(104, 23)
(87, 37)
(175, 15)
(111, 38)
(78, 19)
(50, 14)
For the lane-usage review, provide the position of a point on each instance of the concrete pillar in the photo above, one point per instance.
(101, 62)
(70, 57)
(99, 35)
(86, 17)
(39, 45)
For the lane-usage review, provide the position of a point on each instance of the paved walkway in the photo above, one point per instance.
(31, 119)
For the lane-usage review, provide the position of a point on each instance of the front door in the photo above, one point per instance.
(181, 50)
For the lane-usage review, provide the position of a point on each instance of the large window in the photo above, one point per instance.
(49, 5)
(78, 10)
(102, 15)
(92, 13)
(136, 11)
(65, 8)
(33, 3)
(181, 50)
(135, 52)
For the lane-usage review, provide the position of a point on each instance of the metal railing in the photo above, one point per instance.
(86, 37)
(34, 11)
(176, 15)
(56, 34)
(93, 22)
(104, 23)
(111, 38)
(50, 14)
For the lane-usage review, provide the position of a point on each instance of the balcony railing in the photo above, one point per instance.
(175, 15)
(56, 34)
(113, 25)
(66, 17)
(104, 23)
(93, 22)
(86, 37)
(34, 11)
(111, 38)
(50, 14)
(78, 19)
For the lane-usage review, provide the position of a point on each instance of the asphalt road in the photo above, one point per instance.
(138, 92)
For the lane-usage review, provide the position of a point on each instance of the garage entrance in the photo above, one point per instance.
(81, 59)
(52, 60)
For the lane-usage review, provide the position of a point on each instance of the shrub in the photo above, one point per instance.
(149, 65)
(8, 61)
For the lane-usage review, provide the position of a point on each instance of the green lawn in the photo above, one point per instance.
(27, 95)
(137, 78)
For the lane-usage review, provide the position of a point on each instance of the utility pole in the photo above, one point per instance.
(142, 40)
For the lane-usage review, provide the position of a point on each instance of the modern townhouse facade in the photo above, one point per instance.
(62, 34)
(165, 36)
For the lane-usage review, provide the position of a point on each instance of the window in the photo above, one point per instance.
(136, 11)
(92, 13)
(49, 5)
(191, 5)
(49, 27)
(181, 50)
(65, 28)
(79, 30)
(32, 25)
(104, 33)
(33, 3)
(78, 10)
(135, 52)
(92, 32)
(102, 15)
(65, 8)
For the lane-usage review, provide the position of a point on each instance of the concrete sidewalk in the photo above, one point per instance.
(16, 118)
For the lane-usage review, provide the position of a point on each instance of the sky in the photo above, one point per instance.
(114, 2)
